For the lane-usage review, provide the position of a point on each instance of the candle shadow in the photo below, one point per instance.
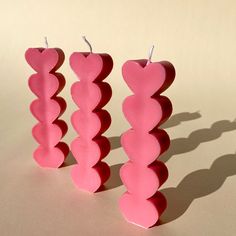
(115, 142)
(195, 185)
(70, 160)
(181, 145)
(184, 145)
(114, 181)
(178, 118)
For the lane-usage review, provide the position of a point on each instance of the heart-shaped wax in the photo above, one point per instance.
(63, 126)
(49, 157)
(89, 125)
(142, 212)
(90, 94)
(61, 81)
(48, 135)
(44, 60)
(143, 182)
(145, 148)
(45, 110)
(86, 124)
(166, 107)
(86, 66)
(44, 86)
(146, 80)
(91, 66)
(90, 179)
(146, 110)
(89, 152)
(142, 114)
(106, 94)
(86, 95)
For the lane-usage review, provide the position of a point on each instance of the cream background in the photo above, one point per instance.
(199, 38)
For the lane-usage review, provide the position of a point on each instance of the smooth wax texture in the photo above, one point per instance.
(90, 94)
(143, 213)
(146, 110)
(47, 108)
(153, 78)
(144, 148)
(156, 174)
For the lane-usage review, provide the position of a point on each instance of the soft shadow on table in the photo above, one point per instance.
(184, 145)
(70, 160)
(197, 184)
(114, 181)
(177, 119)
(115, 142)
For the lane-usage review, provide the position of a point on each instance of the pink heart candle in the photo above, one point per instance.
(90, 94)
(46, 83)
(143, 175)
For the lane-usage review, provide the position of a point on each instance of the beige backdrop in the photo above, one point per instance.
(199, 38)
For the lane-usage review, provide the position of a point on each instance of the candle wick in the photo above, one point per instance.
(46, 41)
(150, 55)
(86, 41)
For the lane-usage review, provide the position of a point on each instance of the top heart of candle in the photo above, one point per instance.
(44, 60)
(147, 80)
(91, 66)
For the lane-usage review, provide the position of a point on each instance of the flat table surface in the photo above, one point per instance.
(200, 190)
(198, 37)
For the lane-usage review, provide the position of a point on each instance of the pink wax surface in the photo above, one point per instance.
(46, 84)
(146, 110)
(90, 94)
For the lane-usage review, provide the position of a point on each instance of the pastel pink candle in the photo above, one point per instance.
(145, 110)
(46, 83)
(90, 94)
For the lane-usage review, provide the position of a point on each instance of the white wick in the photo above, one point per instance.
(150, 54)
(86, 41)
(46, 41)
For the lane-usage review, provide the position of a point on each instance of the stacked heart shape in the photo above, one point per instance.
(48, 107)
(90, 94)
(146, 110)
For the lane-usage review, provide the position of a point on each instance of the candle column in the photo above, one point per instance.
(146, 110)
(48, 107)
(90, 94)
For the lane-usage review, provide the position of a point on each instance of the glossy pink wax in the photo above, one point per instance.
(46, 83)
(145, 110)
(90, 94)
